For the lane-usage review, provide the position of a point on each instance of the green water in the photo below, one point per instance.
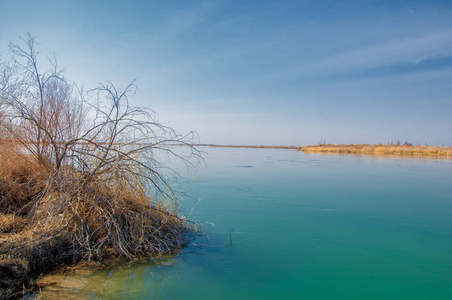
(305, 226)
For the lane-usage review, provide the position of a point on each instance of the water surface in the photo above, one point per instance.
(302, 226)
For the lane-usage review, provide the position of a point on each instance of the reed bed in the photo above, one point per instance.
(381, 149)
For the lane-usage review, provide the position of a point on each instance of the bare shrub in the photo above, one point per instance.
(84, 166)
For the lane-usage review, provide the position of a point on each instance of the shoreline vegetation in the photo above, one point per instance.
(79, 181)
(381, 149)
(405, 149)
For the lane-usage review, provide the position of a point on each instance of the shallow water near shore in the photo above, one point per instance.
(282, 224)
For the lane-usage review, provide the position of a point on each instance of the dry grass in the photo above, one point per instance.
(52, 218)
(21, 179)
(380, 149)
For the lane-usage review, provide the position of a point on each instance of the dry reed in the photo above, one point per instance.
(380, 149)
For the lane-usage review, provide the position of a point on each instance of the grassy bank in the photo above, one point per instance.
(380, 149)
(44, 227)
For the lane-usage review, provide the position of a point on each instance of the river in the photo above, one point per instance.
(281, 224)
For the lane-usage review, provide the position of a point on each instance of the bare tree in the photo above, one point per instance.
(99, 153)
(63, 126)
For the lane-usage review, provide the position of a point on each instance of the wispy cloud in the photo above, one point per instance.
(393, 52)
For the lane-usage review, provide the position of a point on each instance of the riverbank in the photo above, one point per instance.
(380, 149)
(51, 219)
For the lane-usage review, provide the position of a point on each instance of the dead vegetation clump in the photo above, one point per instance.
(79, 179)
(380, 149)
(81, 220)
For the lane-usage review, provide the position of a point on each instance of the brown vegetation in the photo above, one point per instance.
(78, 181)
(380, 149)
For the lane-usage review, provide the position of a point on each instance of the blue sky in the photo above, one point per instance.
(261, 72)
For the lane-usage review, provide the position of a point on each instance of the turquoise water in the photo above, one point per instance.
(304, 226)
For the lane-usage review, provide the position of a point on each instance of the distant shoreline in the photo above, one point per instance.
(258, 147)
(376, 149)
(380, 149)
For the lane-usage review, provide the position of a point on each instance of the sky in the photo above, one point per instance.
(260, 72)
